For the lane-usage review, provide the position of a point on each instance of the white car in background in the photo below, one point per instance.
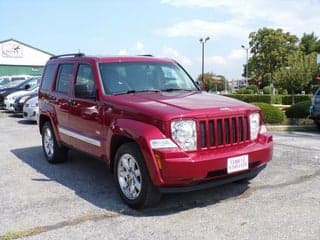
(9, 100)
(31, 109)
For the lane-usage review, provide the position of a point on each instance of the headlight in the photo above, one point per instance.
(23, 99)
(34, 105)
(184, 133)
(254, 125)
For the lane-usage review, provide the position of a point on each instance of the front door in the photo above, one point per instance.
(85, 113)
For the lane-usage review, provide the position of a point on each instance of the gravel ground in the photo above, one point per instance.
(77, 199)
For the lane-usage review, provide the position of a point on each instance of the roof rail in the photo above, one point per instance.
(68, 55)
(145, 55)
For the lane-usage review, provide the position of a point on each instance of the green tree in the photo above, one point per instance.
(309, 43)
(270, 49)
(213, 82)
(299, 72)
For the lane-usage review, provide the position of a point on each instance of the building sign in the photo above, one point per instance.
(12, 50)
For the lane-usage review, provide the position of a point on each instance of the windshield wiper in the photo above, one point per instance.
(176, 89)
(138, 91)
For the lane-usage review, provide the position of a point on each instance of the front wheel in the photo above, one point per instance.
(317, 122)
(132, 178)
(52, 151)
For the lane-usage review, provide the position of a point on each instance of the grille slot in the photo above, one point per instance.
(223, 131)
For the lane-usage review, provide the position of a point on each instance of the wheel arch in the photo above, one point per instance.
(128, 130)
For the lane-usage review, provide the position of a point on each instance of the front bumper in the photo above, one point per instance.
(30, 113)
(179, 169)
(216, 182)
(8, 105)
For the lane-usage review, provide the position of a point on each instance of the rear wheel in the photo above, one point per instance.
(52, 151)
(132, 178)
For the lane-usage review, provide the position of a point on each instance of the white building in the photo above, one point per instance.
(19, 58)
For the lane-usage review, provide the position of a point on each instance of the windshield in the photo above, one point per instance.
(12, 84)
(130, 77)
(4, 81)
(32, 83)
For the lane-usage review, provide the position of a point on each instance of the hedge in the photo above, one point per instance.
(271, 114)
(250, 98)
(299, 110)
(271, 99)
(287, 99)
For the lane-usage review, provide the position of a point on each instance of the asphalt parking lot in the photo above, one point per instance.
(77, 199)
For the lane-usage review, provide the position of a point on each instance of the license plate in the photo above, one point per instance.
(238, 163)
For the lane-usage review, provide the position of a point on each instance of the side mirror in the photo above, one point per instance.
(26, 87)
(200, 85)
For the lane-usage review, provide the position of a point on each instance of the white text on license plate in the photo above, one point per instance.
(238, 163)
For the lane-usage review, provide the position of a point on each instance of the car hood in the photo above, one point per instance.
(32, 100)
(183, 104)
(17, 93)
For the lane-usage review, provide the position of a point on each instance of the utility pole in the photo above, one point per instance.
(203, 41)
(247, 65)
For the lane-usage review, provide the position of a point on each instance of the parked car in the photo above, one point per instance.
(21, 99)
(15, 86)
(31, 109)
(4, 81)
(315, 108)
(11, 98)
(10, 84)
(148, 119)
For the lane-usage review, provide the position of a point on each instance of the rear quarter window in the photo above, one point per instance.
(48, 77)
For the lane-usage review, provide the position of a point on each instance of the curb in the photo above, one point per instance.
(291, 128)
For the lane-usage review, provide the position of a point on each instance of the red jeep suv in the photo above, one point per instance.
(151, 123)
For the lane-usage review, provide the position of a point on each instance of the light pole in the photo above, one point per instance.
(203, 41)
(247, 60)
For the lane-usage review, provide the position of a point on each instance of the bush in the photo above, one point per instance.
(244, 91)
(271, 114)
(266, 90)
(276, 99)
(254, 88)
(299, 110)
(287, 99)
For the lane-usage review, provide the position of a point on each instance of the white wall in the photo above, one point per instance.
(15, 53)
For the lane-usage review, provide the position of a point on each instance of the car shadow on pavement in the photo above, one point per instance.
(27, 122)
(91, 180)
(14, 115)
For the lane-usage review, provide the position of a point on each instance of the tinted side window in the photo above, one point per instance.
(64, 78)
(85, 85)
(47, 77)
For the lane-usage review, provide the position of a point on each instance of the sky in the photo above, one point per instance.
(163, 28)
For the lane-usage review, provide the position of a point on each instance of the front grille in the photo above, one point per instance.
(223, 131)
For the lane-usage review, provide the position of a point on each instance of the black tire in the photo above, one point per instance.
(317, 122)
(134, 186)
(52, 151)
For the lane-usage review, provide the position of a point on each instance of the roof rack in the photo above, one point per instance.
(68, 55)
(145, 55)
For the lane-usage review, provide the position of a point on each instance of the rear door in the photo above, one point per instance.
(61, 99)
